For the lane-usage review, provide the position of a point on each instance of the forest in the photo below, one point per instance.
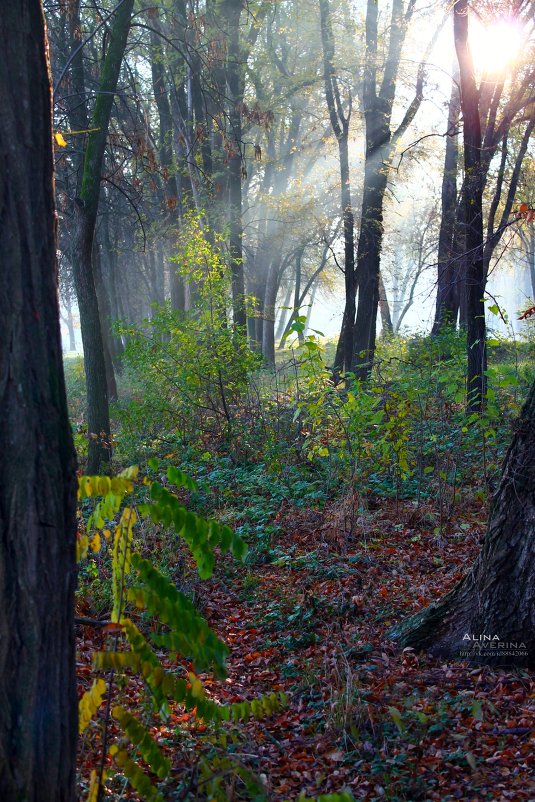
(267, 384)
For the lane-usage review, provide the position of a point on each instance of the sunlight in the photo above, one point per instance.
(496, 46)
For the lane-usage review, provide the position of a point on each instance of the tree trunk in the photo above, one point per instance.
(105, 322)
(497, 598)
(69, 322)
(171, 210)
(232, 10)
(447, 306)
(368, 268)
(476, 380)
(340, 124)
(270, 300)
(86, 208)
(38, 702)
(283, 317)
(384, 307)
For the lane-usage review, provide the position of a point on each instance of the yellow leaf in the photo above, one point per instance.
(82, 544)
(60, 140)
(95, 543)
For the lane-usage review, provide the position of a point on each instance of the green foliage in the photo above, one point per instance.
(188, 370)
(176, 626)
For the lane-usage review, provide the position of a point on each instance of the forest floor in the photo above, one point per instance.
(362, 715)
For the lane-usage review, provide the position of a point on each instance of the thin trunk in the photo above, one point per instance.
(270, 300)
(232, 10)
(494, 234)
(171, 210)
(384, 308)
(69, 322)
(86, 208)
(340, 124)
(447, 304)
(283, 317)
(105, 321)
(309, 309)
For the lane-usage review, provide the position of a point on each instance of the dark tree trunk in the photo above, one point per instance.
(105, 322)
(232, 10)
(270, 300)
(497, 597)
(476, 380)
(340, 124)
(369, 264)
(380, 140)
(38, 703)
(98, 417)
(447, 306)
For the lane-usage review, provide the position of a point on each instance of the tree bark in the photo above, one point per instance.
(497, 597)
(476, 380)
(380, 141)
(447, 304)
(38, 702)
(86, 208)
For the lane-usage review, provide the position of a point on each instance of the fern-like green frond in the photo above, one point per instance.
(188, 633)
(143, 740)
(90, 703)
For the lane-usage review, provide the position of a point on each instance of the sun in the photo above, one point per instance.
(496, 46)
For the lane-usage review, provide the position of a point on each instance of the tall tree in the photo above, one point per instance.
(85, 215)
(340, 120)
(448, 286)
(473, 213)
(378, 96)
(38, 704)
(231, 11)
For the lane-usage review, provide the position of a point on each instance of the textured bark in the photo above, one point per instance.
(497, 597)
(38, 703)
(380, 141)
(447, 305)
(476, 380)
(377, 114)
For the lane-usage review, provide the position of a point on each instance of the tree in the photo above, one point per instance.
(473, 213)
(340, 121)
(378, 98)
(497, 597)
(38, 722)
(97, 367)
(447, 303)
